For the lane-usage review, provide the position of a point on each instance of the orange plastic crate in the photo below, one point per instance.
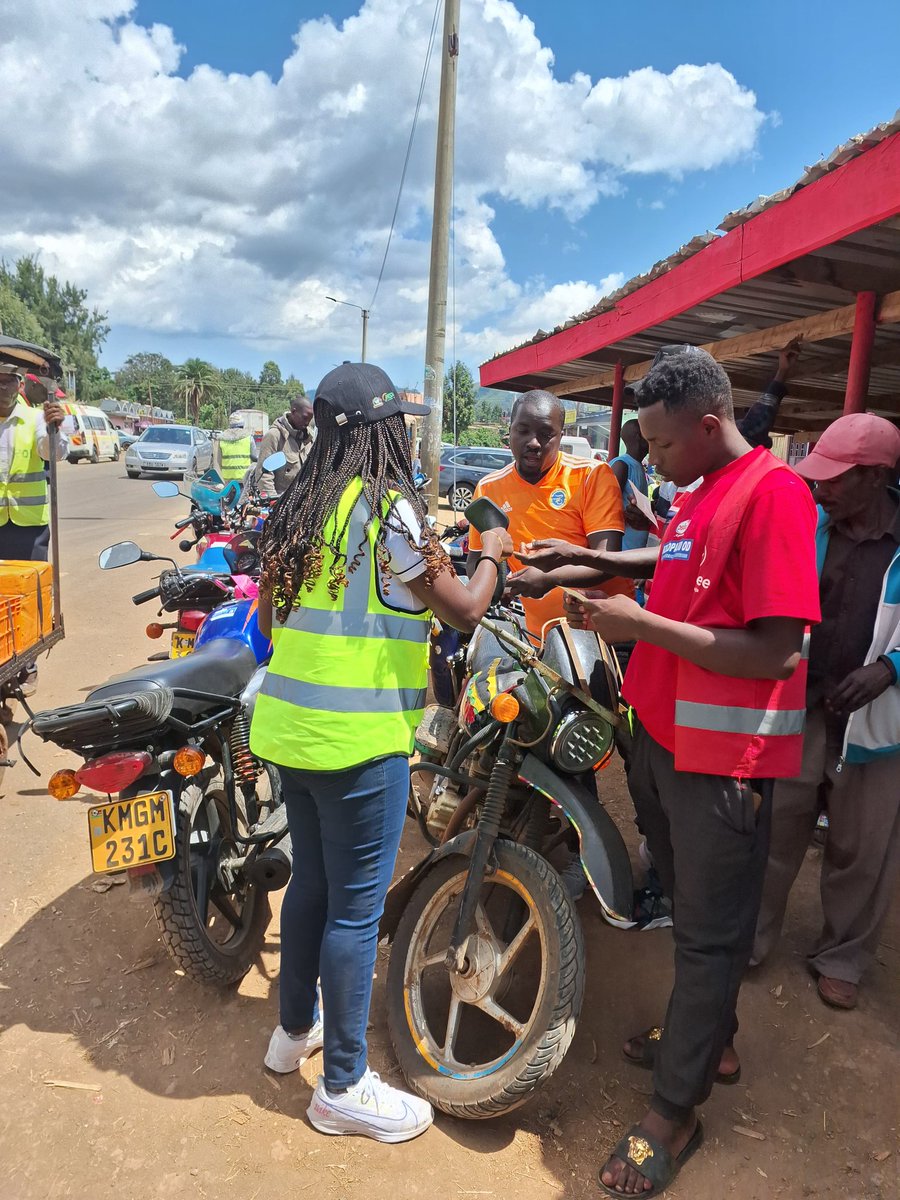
(31, 583)
(9, 612)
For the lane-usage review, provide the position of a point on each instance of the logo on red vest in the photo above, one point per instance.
(679, 551)
(681, 528)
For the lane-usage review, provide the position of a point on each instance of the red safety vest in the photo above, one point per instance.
(744, 728)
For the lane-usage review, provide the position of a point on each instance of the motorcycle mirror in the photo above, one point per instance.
(484, 514)
(275, 461)
(166, 490)
(185, 545)
(122, 554)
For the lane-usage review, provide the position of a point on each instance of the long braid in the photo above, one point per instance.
(296, 539)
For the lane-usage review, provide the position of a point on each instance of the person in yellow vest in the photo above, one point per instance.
(353, 574)
(24, 449)
(237, 451)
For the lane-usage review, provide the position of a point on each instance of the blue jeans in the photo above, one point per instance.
(345, 831)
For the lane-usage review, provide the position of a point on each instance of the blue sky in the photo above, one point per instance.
(819, 74)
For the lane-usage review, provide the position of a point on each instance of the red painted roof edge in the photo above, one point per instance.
(863, 192)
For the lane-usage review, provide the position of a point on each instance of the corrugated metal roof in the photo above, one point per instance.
(855, 146)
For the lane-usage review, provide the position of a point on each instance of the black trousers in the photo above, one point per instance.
(23, 543)
(710, 840)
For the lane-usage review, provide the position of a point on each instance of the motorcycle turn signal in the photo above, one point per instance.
(189, 761)
(63, 785)
(504, 708)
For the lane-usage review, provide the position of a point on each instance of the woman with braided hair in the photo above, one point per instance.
(351, 576)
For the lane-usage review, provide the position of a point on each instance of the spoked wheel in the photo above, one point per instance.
(212, 920)
(477, 1043)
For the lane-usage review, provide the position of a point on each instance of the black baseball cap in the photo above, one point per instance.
(663, 353)
(361, 394)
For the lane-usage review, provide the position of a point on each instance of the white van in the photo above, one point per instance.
(578, 447)
(91, 434)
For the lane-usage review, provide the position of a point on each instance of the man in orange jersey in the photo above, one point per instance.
(546, 493)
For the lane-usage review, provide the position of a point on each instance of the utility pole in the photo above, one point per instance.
(365, 317)
(436, 336)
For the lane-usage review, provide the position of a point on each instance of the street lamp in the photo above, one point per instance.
(365, 320)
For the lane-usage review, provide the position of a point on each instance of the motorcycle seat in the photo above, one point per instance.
(222, 667)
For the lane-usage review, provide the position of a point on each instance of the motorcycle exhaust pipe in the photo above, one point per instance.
(271, 869)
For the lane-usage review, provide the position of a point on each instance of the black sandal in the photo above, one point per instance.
(650, 1159)
(647, 1056)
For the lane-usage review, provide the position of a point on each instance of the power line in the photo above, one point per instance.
(409, 146)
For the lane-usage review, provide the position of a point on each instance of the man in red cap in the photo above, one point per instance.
(851, 756)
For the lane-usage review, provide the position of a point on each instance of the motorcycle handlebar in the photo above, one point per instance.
(184, 522)
(144, 597)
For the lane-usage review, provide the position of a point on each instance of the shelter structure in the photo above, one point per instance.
(820, 258)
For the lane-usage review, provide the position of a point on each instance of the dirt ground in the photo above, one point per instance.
(122, 1078)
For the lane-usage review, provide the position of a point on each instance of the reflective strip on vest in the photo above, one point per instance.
(236, 457)
(764, 722)
(347, 681)
(25, 496)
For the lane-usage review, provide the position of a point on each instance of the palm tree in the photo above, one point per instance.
(196, 382)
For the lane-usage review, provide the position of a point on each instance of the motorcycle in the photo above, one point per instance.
(185, 809)
(486, 975)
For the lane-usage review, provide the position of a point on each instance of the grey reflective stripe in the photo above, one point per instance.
(716, 718)
(357, 624)
(804, 649)
(326, 698)
(29, 477)
(25, 501)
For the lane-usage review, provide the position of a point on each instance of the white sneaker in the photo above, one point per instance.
(372, 1108)
(286, 1054)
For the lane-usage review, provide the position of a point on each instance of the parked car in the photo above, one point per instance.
(462, 467)
(126, 439)
(91, 434)
(169, 450)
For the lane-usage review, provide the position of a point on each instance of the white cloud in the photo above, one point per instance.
(230, 204)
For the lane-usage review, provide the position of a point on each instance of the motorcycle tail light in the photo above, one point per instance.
(191, 619)
(504, 708)
(189, 761)
(63, 785)
(154, 630)
(115, 771)
(580, 742)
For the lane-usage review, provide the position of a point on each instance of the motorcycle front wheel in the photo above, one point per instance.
(213, 932)
(478, 1043)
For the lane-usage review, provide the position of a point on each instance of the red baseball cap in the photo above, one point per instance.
(857, 440)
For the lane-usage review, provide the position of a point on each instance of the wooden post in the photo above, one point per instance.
(615, 417)
(857, 393)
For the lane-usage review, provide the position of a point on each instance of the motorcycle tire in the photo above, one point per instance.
(186, 935)
(479, 1090)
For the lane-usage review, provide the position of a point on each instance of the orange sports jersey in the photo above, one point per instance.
(576, 497)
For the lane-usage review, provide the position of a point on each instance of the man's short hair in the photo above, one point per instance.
(301, 400)
(686, 379)
(538, 396)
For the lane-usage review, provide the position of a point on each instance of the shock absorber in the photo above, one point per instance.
(244, 764)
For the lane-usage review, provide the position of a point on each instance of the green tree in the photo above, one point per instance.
(488, 412)
(147, 378)
(196, 382)
(480, 437)
(67, 325)
(458, 383)
(270, 373)
(16, 320)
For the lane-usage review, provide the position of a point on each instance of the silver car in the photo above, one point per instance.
(169, 450)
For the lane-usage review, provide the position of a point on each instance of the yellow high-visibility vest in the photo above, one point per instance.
(235, 457)
(25, 496)
(347, 679)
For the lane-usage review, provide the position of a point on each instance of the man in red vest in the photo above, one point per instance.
(717, 683)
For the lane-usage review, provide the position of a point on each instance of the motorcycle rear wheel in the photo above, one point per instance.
(215, 936)
(479, 1044)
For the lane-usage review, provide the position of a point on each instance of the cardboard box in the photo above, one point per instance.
(32, 582)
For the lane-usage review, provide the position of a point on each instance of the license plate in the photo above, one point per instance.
(130, 833)
(182, 644)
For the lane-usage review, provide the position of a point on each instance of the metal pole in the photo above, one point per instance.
(365, 316)
(53, 435)
(615, 416)
(433, 386)
(857, 392)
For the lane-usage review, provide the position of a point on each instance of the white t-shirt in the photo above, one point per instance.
(406, 563)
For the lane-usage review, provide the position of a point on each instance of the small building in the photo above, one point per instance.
(819, 259)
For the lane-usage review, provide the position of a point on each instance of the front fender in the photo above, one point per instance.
(603, 852)
(400, 891)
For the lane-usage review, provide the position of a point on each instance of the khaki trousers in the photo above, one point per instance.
(861, 859)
